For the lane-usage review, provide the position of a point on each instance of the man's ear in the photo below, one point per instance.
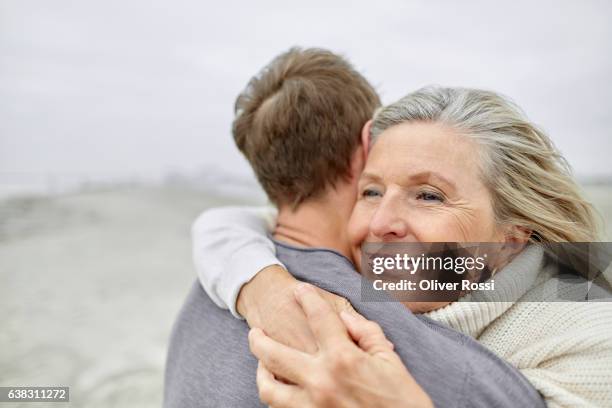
(365, 138)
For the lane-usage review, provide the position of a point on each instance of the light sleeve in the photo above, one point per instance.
(230, 246)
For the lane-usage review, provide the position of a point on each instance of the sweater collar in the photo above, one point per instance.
(475, 311)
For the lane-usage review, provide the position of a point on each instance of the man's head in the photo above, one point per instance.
(300, 120)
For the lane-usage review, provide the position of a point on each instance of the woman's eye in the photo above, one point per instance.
(429, 196)
(368, 192)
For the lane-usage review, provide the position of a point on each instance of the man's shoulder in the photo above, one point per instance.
(199, 314)
(314, 263)
(209, 362)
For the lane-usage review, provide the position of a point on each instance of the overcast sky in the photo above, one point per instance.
(124, 89)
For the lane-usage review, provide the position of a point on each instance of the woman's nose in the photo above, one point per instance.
(388, 223)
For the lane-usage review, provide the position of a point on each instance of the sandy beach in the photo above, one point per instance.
(90, 284)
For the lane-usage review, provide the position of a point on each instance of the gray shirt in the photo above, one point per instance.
(209, 363)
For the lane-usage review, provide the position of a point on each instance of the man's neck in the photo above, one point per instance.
(320, 222)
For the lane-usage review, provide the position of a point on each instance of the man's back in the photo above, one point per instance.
(209, 362)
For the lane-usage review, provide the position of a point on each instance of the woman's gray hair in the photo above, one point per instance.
(530, 182)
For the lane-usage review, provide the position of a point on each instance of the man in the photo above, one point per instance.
(300, 123)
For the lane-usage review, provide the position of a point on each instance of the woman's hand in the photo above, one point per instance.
(268, 302)
(341, 373)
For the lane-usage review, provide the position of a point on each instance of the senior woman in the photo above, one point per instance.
(464, 165)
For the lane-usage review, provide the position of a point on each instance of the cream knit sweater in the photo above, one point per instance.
(564, 349)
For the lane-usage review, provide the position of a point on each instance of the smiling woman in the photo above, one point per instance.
(498, 159)
(465, 165)
(421, 182)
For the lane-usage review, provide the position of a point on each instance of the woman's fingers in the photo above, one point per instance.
(277, 394)
(368, 335)
(325, 324)
(281, 360)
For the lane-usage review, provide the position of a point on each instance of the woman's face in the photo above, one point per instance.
(422, 183)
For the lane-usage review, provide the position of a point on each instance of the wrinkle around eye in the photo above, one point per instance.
(464, 217)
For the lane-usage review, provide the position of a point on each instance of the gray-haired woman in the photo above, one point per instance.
(464, 165)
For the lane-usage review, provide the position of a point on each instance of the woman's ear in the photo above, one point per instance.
(516, 238)
(512, 240)
(366, 133)
(518, 235)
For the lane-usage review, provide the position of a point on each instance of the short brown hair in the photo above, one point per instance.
(299, 121)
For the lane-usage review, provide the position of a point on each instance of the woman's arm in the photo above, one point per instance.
(355, 365)
(237, 266)
(230, 246)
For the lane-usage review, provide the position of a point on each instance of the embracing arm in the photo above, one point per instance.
(237, 266)
(230, 246)
(355, 365)
(268, 302)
